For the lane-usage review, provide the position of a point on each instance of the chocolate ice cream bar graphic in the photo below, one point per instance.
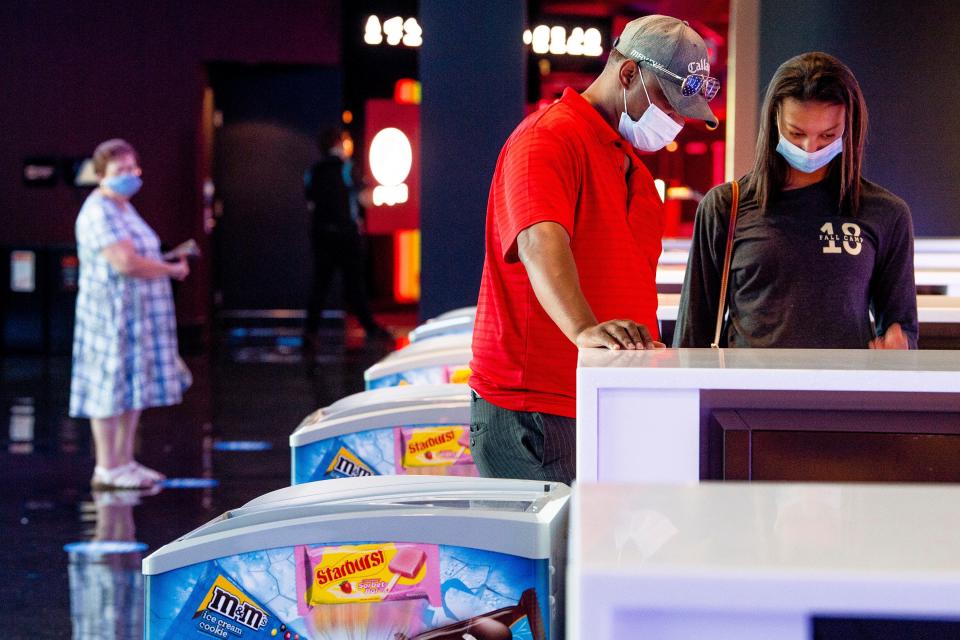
(495, 625)
(407, 563)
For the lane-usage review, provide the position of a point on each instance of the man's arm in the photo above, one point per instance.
(544, 250)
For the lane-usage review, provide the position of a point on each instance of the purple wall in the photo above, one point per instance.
(76, 73)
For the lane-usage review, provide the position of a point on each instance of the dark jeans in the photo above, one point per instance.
(522, 444)
(339, 251)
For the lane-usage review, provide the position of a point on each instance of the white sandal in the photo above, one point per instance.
(116, 497)
(123, 477)
(152, 475)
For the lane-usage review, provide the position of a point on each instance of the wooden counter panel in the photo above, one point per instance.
(795, 456)
(835, 446)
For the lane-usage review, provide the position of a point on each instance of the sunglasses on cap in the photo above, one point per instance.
(690, 85)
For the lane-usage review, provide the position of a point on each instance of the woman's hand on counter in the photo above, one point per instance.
(894, 338)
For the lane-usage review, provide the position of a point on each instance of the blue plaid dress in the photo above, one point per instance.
(125, 337)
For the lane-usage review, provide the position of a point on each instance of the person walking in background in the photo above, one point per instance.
(817, 248)
(331, 191)
(574, 226)
(125, 356)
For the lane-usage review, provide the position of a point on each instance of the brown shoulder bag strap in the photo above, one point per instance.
(728, 252)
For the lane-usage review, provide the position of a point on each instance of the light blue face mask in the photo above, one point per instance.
(806, 161)
(126, 184)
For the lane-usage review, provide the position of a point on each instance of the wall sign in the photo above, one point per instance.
(40, 172)
(543, 39)
(23, 271)
(393, 31)
(82, 173)
(557, 41)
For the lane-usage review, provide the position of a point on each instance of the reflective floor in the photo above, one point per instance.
(226, 444)
(70, 559)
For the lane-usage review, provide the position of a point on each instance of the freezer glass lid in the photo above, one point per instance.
(518, 506)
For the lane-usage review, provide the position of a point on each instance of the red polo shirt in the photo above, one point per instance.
(563, 164)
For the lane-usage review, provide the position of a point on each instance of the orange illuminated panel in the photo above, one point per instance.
(407, 91)
(406, 265)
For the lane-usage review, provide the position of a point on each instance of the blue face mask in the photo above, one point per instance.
(805, 161)
(126, 185)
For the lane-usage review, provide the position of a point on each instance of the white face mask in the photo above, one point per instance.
(653, 131)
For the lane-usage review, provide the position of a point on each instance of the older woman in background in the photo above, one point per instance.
(125, 339)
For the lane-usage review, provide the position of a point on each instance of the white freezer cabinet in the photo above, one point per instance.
(408, 430)
(412, 558)
(435, 361)
(452, 322)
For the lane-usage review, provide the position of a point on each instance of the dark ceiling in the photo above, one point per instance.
(713, 10)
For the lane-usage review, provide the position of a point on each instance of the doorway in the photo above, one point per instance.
(265, 122)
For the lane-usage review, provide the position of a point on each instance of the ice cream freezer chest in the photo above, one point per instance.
(378, 558)
(434, 361)
(408, 430)
(447, 326)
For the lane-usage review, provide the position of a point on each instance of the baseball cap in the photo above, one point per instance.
(672, 43)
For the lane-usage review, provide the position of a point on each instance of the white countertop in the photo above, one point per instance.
(928, 252)
(921, 261)
(767, 527)
(798, 547)
(937, 245)
(938, 308)
(774, 369)
(642, 415)
(945, 244)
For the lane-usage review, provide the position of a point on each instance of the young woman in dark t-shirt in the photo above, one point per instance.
(817, 248)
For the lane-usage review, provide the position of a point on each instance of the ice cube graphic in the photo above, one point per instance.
(449, 567)
(494, 600)
(283, 569)
(473, 576)
(375, 447)
(508, 582)
(462, 604)
(252, 571)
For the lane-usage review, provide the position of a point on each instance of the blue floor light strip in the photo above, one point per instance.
(104, 547)
(242, 445)
(190, 483)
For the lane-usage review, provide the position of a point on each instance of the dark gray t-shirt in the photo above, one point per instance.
(803, 274)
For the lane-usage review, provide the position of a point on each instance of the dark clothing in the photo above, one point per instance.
(343, 251)
(329, 192)
(528, 445)
(803, 274)
(337, 244)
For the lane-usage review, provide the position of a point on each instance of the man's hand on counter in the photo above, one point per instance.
(618, 334)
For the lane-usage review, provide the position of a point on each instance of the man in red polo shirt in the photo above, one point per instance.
(573, 236)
